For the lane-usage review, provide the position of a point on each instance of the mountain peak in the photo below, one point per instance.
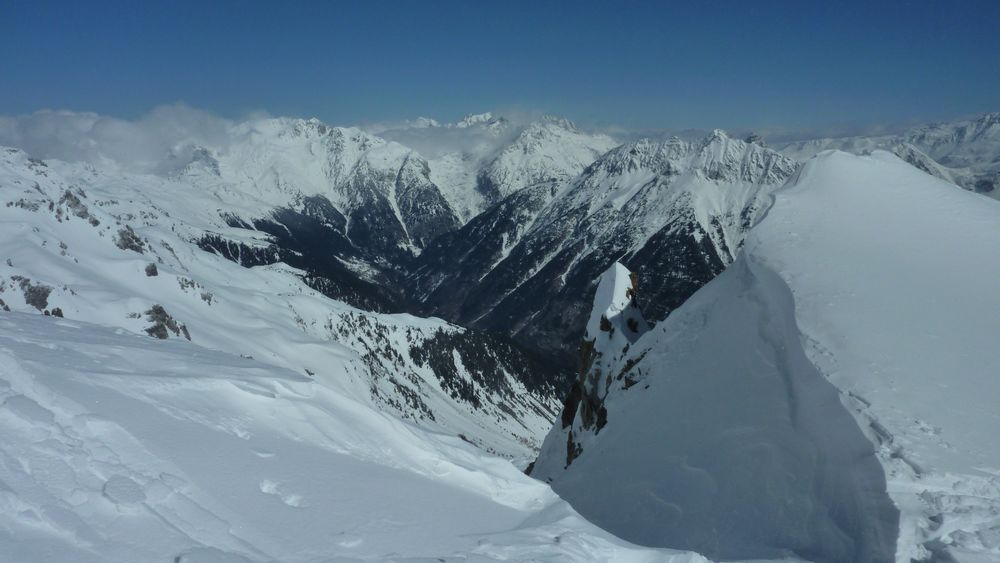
(484, 120)
(424, 123)
(561, 122)
(717, 137)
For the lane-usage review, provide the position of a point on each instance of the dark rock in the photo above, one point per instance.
(163, 324)
(36, 295)
(127, 239)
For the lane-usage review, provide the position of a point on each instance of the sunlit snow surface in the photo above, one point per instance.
(118, 447)
(894, 276)
(724, 433)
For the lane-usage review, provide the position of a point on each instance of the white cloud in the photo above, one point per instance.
(156, 142)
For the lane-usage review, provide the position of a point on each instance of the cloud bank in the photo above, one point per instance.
(154, 143)
(163, 140)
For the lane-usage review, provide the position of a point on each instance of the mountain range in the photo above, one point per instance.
(471, 279)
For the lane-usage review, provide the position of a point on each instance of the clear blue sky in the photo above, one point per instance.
(697, 64)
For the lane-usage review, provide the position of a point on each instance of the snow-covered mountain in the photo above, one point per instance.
(350, 205)
(964, 152)
(291, 212)
(352, 209)
(483, 158)
(549, 150)
(368, 180)
(165, 257)
(830, 396)
(674, 211)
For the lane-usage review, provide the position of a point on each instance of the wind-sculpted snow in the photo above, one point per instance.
(845, 359)
(118, 447)
(897, 306)
(721, 437)
(154, 256)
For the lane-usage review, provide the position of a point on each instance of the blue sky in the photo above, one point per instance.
(639, 65)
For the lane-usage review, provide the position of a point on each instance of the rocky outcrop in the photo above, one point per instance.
(615, 324)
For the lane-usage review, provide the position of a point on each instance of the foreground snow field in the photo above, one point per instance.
(118, 447)
(863, 306)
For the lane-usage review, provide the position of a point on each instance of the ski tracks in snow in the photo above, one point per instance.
(70, 463)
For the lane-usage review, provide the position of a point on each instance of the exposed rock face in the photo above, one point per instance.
(35, 294)
(163, 324)
(128, 240)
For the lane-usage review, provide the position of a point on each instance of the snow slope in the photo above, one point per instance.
(711, 433)
(845, 359)
(122, 250)
(119, 447)
(906, 332)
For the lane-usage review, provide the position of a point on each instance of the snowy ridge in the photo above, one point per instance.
(746, 454)
(904, 386)
(485, 157)
(875, 438)
(964, 152)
